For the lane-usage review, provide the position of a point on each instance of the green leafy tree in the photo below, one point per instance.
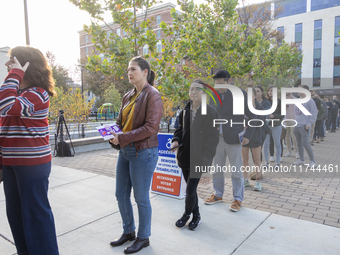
(118, 50)
(59, 72)
(207, 36)
(112, 95)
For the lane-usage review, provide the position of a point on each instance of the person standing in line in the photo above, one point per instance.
(334, 116)
(335, 98)
(276, 130)
(255, 146)
(26, 152)
(177, 120)
(261, 98)
(139, 118)
(312, 128)
(329, 109)
(318, 123)
(324, 119)
(290, 115)
(229, 144)
(198, 139)
(302, 129)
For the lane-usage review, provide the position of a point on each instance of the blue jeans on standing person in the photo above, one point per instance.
(28, 210)
(276, 133)
(322, 134)
(135, 170)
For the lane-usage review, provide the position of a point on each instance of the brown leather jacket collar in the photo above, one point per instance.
(146, 118)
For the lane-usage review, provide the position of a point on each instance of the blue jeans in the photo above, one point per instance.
(276, 133)
(28, 210)
(135, 170)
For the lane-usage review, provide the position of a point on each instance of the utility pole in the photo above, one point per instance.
(26, 24)
(134, 24)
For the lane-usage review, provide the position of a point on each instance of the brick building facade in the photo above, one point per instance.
(157, 13)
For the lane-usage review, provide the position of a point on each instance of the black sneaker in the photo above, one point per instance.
(196, 220)
(182, 221)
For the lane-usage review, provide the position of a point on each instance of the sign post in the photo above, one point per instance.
(168, 178)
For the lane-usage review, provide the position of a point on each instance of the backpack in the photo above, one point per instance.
(63, 149)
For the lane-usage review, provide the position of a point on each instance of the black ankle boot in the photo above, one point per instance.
(139, 244)
(182, 221)
(196, 220)
(124, 238)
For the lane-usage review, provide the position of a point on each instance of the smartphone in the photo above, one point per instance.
(175, 147)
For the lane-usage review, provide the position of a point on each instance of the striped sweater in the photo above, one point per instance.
(24, 131)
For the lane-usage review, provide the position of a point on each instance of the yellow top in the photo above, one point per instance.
(128, 122)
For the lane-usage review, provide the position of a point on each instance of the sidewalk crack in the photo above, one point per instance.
(250, 234)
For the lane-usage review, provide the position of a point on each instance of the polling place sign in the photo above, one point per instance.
(168, 178)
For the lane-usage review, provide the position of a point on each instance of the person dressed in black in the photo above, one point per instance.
(197, 139)
(334, 115)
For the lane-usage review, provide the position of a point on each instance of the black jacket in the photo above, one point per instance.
(225, 111)
(199, 138)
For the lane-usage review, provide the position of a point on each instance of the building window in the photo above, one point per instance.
(298, 32)
(118, 31)
(158, 19)
(291, 7)
(159, 47)
(158, 34)
(298, 41)
(281, 30)
(86, 38)
(124, 32)
(322, 4)
(336, 68)
(145, 49)
(317, 52)
(86, 50)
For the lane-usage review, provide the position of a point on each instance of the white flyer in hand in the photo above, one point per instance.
(105, 130)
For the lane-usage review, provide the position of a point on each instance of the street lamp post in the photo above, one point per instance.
(82, 83)
(26, 24)
(82, 80)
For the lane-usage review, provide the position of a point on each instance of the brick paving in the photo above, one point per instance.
(312, 197)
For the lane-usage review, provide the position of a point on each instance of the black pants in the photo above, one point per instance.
(328, 122)
(317, 132)
(333, 121)
(191, 199)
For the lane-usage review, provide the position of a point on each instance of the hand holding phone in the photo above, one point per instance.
(176, 147)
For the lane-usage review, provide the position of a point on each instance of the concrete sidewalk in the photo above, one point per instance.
(87, 219)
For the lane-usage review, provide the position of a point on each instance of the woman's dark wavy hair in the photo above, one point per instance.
(262, 90)
(144, 64)
(38, 73)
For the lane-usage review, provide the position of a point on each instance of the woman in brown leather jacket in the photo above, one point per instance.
(139, 118)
